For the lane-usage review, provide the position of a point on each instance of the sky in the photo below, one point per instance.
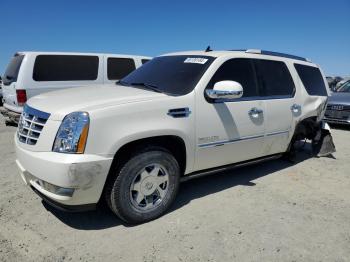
(318, 30)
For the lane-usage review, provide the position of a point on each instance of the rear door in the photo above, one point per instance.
(279, 93)
(10, 79)
(117, 68)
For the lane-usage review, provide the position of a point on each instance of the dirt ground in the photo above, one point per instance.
(275, 211)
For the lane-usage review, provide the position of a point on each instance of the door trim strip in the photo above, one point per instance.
(225, 142)
(277, 133)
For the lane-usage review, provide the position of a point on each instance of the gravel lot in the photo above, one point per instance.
(274, 211)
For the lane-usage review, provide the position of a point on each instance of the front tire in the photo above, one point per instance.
(144, 187)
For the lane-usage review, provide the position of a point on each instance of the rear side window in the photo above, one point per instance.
(239, 70)
(144, 61)
(312, 80)
(118, 68)
(274, 78)
(12, 70)
(65, 68)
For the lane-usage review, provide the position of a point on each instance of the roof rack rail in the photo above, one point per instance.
(264, 52)
(271, 53)
(253, 51)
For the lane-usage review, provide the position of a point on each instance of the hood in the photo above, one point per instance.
(339, 98)
(60, 103)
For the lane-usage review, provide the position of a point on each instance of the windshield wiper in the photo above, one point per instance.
(146, 85)
(120, 82)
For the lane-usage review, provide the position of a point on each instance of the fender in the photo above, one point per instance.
(158, 133)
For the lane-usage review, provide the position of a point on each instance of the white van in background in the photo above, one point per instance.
(31, 73)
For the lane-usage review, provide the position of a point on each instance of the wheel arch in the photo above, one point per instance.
(306, 128)
(175, 144)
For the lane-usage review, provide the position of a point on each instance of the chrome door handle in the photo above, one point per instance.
(255, 112)
(295, 108)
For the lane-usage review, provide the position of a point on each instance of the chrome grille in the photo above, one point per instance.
(337, 114)
(30, 125)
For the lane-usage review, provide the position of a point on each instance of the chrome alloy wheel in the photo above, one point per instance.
(149, 187)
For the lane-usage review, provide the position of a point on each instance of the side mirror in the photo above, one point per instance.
(226, 90)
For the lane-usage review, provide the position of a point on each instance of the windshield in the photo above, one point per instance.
(12, 70)
(345, 87)
(174, 75)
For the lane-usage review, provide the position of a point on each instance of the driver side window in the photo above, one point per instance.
(240, 70)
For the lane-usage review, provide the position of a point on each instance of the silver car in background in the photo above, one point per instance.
(338, 108)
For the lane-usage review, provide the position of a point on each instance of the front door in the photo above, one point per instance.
(230, 132)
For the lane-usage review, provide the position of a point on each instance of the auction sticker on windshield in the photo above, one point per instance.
(196, 60)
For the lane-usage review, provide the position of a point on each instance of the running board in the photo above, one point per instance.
(215, 170)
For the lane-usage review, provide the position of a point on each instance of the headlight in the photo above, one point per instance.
(72, 134)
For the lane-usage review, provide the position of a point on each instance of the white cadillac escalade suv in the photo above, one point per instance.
(178, 116)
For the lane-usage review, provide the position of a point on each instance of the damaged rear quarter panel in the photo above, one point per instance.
(314, 106)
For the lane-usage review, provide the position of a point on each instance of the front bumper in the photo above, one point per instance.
(63, 207)
(336, 115)
(82, 175)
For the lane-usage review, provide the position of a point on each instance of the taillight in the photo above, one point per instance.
(21, 97)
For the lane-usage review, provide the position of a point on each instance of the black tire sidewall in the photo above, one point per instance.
(120, 194)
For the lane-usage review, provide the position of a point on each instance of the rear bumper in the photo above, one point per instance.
(13, 108)
(68, 182)
(337, 121)
(10, 115)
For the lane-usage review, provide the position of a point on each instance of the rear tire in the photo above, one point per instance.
(144, 187)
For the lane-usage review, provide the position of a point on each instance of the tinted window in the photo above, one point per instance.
(312, 80)
(274, 78)
(176, 75)
(144, 61)
(239, 70)
(12, 69)
(65, 68)
(119, 67)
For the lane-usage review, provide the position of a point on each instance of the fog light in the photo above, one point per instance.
(62, 191)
